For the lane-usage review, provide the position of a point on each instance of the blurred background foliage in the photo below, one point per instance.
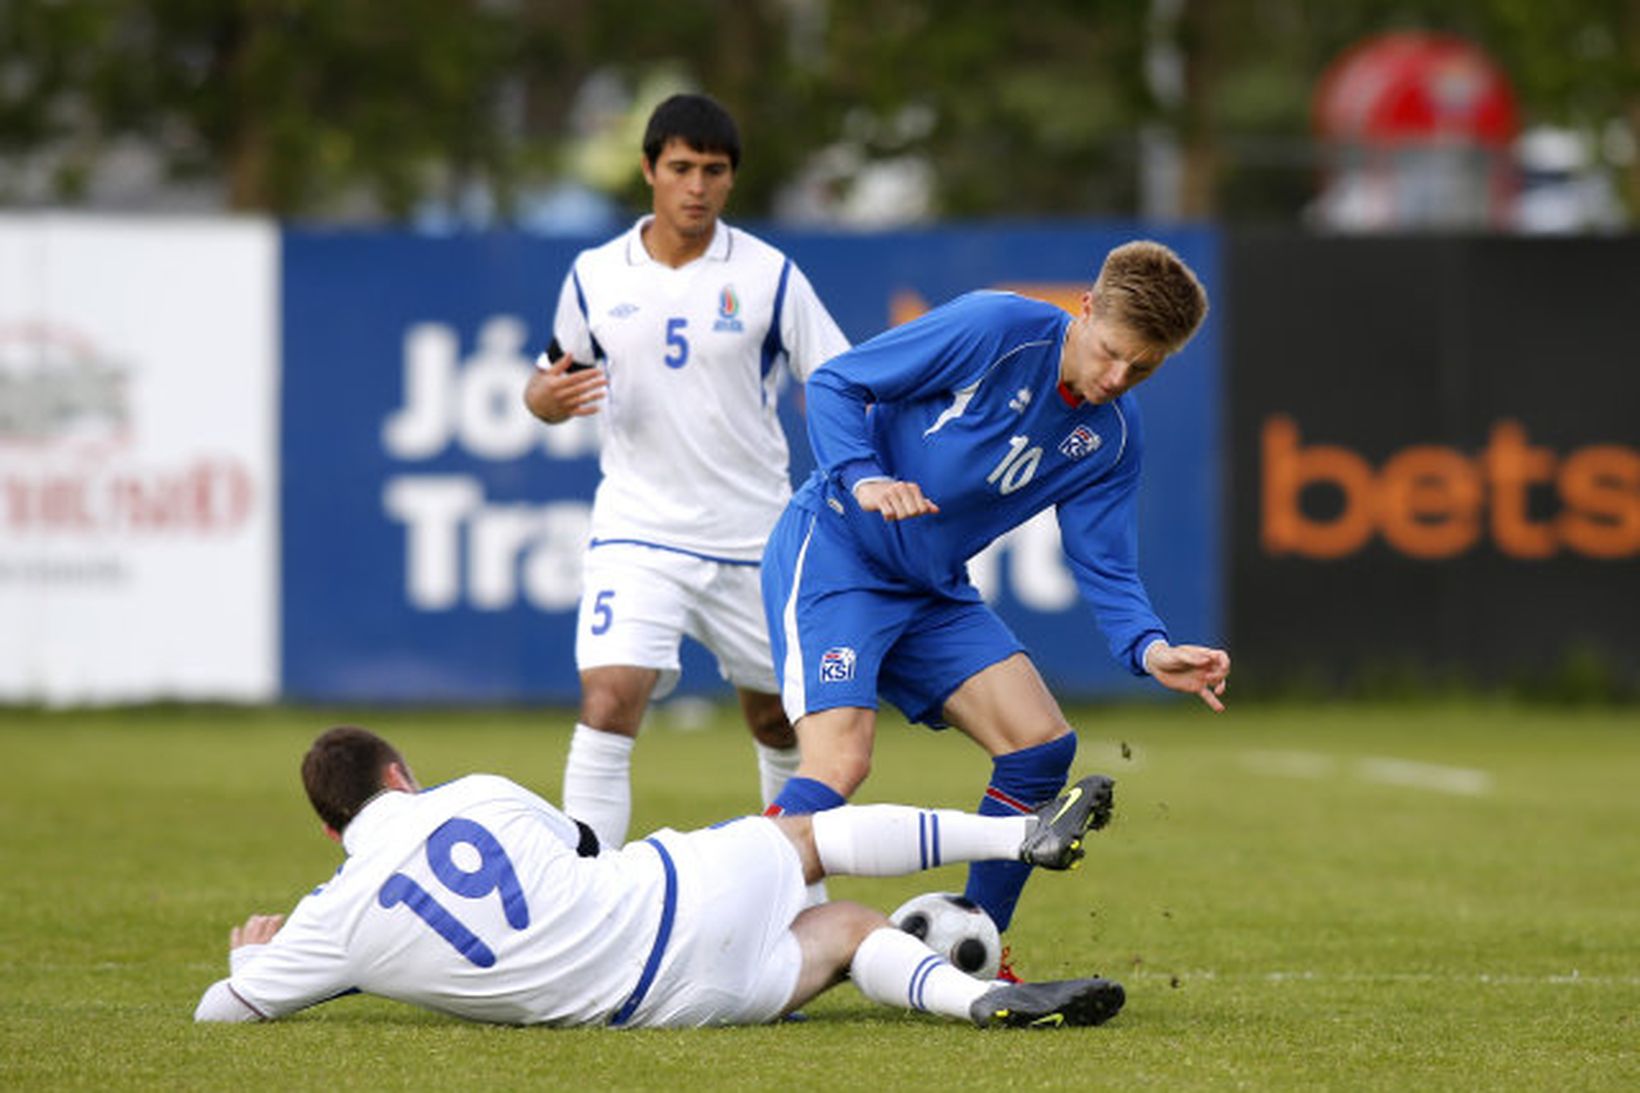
(483, 112)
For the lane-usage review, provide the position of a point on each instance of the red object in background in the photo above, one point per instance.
(1412, 87)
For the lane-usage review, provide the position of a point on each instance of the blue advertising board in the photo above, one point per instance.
(433, 529)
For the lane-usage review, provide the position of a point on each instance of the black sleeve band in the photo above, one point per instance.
(588, 846)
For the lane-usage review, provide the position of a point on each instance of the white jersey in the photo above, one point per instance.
(693, 455)
(468, 898)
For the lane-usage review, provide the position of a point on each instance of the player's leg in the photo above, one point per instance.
(778, 758)
(1007, 709)
(842, 939)
(830, 624)
(627, 633)
(894, 840)
(745, 949)
(774, 738)
(598, 769)
(893, 968)
(836, 745)
(728, 619)
(959, 664)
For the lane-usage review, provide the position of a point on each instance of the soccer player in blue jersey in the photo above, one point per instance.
(933, 439)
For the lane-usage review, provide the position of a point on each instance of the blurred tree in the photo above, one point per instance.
(290, 104)
(343, 108)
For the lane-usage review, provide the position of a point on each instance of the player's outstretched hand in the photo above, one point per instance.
(894, 499)
(258, 930)
(556, 394)
(1191, 669)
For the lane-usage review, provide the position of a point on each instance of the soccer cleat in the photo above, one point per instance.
(1066, 1002)
(1056, 840)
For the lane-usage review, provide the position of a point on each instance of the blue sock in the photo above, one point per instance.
(800, 796)
(1021, 781)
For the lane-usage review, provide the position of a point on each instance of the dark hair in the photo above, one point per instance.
(699, 121)
(343, 769)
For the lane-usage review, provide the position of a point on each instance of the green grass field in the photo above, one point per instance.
(1347, 897)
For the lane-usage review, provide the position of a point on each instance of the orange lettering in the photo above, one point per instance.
(904, 306)
(1288, 469)
(1429, 502)
(1513, 466)
(1601, 488)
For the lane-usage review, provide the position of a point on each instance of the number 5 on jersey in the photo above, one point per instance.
(677, 346)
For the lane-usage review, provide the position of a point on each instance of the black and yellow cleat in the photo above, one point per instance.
(1056, 840)
(1074, 1003)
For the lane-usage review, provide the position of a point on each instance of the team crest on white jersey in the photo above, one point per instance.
(837, 665)
(728, 319)
(1081, 441)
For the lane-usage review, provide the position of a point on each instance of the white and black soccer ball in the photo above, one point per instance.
(956, 928)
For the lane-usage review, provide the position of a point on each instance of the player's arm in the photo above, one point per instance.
(893, 498)
(940, 352)
(565, 383)
(220, 1001)
(276, 967)
(1100, 531)
(1190, 669)
(562, 388)
(808, 333)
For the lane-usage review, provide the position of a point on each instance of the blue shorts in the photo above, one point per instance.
(842, 632)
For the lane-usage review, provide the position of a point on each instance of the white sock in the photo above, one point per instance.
(893, 840)
(598, 783)
(774, 766)
(896, 969)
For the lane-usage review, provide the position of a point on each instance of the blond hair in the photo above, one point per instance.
(1148, 288)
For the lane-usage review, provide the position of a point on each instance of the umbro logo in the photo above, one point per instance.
(621, 311)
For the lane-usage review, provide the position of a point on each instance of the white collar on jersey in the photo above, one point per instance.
(380, 812)
(717, 250)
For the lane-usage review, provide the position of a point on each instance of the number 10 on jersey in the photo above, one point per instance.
(1018, 466)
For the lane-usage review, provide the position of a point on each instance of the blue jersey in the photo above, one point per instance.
(966, 402)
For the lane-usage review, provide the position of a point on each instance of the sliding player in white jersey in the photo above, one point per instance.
(673, 334)
(479, 899)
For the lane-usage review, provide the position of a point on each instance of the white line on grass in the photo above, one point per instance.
(1464, 781)
(1408, 773)
(1572, 978)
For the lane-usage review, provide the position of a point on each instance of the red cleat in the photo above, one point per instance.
(1005, 969)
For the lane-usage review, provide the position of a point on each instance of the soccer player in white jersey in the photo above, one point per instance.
(479, 899)
(683, 321)
(932, 440)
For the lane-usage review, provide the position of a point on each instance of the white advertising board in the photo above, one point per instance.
(138, 460)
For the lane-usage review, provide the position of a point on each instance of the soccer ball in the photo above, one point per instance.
(956, 928)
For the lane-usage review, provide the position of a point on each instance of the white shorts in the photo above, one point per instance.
(732, 958)
(638, 602)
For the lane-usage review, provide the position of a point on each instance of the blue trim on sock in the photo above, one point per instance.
(800, 796)
(919, 980)
(1031, 775)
